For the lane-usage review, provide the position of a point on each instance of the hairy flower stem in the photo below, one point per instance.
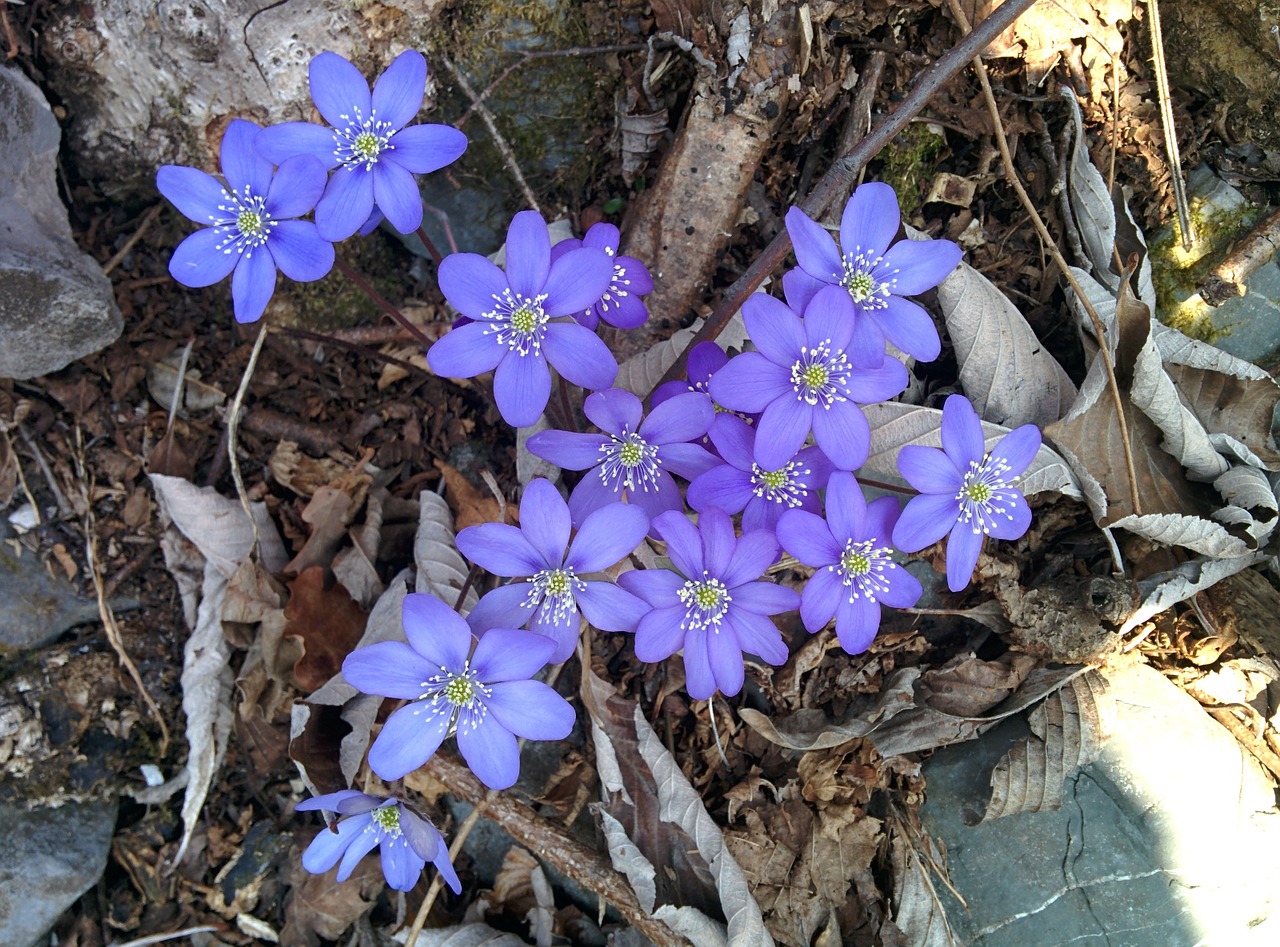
(431, 247)
(385, 306)
(570, 419)
(842, 173)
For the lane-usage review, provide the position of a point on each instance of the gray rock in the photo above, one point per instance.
(55, 303)
(1164, 841)
(52, 857)
(35, 607)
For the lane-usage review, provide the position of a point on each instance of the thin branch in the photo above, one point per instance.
(845, 170)
(147, 220)
(378, 298)
(1169, 128)
(356, 347)
(508, 156)
(233, 426)
(1011, 175)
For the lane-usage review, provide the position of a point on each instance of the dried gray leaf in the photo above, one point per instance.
(894, 425)
(442, 571)
(642, 372)
(1165, 589)
(464, 935)
(918, 911)
(997, 353)
(530, 465)
(1067, 731)
(680, 803)
(1091, 202)
(628, 859)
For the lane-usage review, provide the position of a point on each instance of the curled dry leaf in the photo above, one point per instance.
(528, 464)
(641, 373)
(320, 907)
(327, 622)
(1067, 732)
(998, 353)
(442, 571)
(663, 807)
(920, 917)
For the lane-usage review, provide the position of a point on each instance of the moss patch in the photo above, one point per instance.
(908, 162)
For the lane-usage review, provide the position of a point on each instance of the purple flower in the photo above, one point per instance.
(850, 550)
(512, 330)
(408, 841)
(713, 606)
(485, 697)
(965, 491)
(631, 458)
(802, 379)
(555, 598)
(249, 222)
(705, 359)
(874, 275)
(742, 484)
(620, 304)
(376, 156)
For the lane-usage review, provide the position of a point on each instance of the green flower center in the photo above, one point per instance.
(459, 691)
(366, 146)
(524, 320)
(854, 563)
(860, 286)
(706, 595)
(705, 602)
(815, 376)
(775, 479)
(388, 819)
(978, 492)
(630, 454)
(557, 582)
(249, 223)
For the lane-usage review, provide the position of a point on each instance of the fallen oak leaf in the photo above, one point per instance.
(327, 620)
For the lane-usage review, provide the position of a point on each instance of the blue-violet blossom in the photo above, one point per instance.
(249, 222)
(713, 606)
(376, 156)
(556, 596)
(511, 332)
(850, 549)
(486, 698)
(802, 378)
(620, 306)
(631, 458)
(407, 840)
(740, 484)
(965, 490)
(874, 275)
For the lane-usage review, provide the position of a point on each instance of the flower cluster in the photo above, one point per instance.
(753, 455)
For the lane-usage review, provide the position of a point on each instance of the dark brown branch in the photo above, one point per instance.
(841, 175)
(1228, 277)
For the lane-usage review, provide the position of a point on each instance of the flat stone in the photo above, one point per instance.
(55, 303)
(1165, 840)
(52, 857)
(35, 607)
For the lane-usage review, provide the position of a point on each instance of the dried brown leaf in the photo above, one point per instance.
(328, 622)
(966, 686)
(470, 506)
(920, 917)
(320, 907)
(1068, 731)
(329, 513)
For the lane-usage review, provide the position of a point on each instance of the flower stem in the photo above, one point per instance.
(385, 306)
(570, 419)
(431, 247)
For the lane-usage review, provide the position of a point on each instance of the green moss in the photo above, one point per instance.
(335, 302)
(908, 162)
(1175, 271)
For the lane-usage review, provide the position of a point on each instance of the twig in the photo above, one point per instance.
(382, 303)
(1228, 277)
(843, 172)
(109, 624)
(436, 256)
(1011, 175)
(64, 508)
(356, 347)
(859, 121)
(487, 117)
(147, 219)
(233, 425)
(178, 383)
(172, 935)
(1167, 126)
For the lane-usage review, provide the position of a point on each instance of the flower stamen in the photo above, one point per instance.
(984, 494)
(629, 461)
(820, 375)
(518, 321)
(706, 602)
(866, 283)
(555, 589)
(862, 568)
(780, 486)
(362, 141)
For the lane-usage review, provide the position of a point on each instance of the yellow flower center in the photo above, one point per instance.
(459, 690)
(388, 818)
(249, 223)
(524, 320)
(815, 376)
(855, 563)
(860, 286)
(366, 145)
(978, 492)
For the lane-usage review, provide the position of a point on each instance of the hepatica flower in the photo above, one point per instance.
(964, 490)
(802, 378)
(630, 460)
(556, 596)
(250, 226)
(375, 155)
(850, 549)
(407, 841)
(713, 606)
(874, 275)
(486, 698)
(740, 484)
(620, 306)
(512, 332)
